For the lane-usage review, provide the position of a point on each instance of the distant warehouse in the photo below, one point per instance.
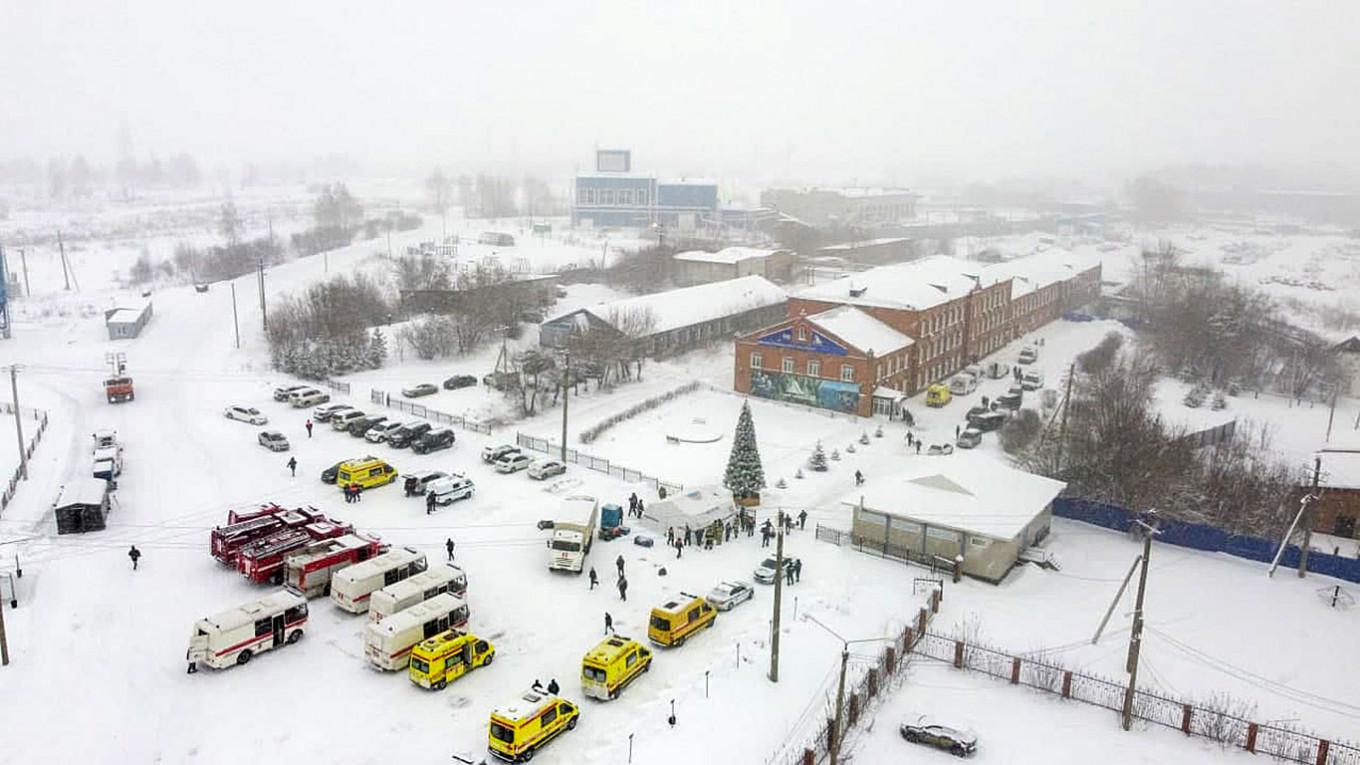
(699, 267)
(672, 322)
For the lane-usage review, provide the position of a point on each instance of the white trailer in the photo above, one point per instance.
(418, 589)
(352, 587)
(233, 637)
(388, 643)
(573, 531)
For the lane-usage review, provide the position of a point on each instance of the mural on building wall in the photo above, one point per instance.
(817, 343)
(808, 391)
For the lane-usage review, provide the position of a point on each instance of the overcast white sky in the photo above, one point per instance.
(820, 91)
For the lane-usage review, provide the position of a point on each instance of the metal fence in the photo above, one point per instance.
(1219, 724)
(905, 555)
(12, 485)
(383, 398)
(339, 387)
(598, 464)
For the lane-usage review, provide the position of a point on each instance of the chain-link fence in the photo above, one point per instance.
(383, 398)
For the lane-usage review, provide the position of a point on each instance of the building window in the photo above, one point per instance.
(802, 334)
(788, 366)
(606, 196)
(814, 368)
(879, 370)
(625, 197)
(755, 361)
(847, 373)
(871, 518)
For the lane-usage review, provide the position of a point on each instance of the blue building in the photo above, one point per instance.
(615, 196)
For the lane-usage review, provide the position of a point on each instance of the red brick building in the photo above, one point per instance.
(1337, 509)
(954, 312)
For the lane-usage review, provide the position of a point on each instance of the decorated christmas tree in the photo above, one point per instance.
(745, 476)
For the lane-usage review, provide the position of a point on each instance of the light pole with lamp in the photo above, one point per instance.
(836, 733)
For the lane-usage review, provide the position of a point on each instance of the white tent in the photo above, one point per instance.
(696, 508)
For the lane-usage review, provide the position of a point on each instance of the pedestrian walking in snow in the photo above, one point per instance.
(641, 508)
(538, 686)
(429, 502)
(802, 519)
(553, 687)
(788, 573)
(358, 493)
(918, 447)
(909, 439)
(309, 428)
(798, 570)
(859, 478)
(619, 564)
(594, 578)
(292, 465)
(956, 431)
(632, 506)
(678, 548)
(670, 535)
(623, 588)
(135, 555)
(448, 545)
(687, 535)
(608, 623)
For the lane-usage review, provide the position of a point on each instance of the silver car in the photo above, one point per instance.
(729, 594)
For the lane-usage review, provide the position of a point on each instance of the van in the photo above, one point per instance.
(353, 587)
(233, 637)
(309, 397)
(998, 369)
(416, 588)
(672, 623)
(528, 723)
(611, 665)
(440, 660)
(938, 395)
(366, 473)
(388, 643)
(963, 384)
(1032, 380)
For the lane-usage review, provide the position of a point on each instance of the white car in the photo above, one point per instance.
(274, 441)
(310, 397)
(765, 572)
(282, 393)
(1032, 380)
(324, 413)
(546, 469)
(494, 453)
(342, 420)
(729, 594)
(451, 489)
(246, 414)
(512, 463)
(382, 432)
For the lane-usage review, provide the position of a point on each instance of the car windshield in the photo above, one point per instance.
(502, 733)
(593, 673)
(566, 546)
(661, 623)
(769, 563)
(420, 665)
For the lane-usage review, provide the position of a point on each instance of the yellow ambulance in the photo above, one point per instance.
(440, 660)
(610, 666)
(671, 624)
(367, 473)
(525, 725)
(938, 395)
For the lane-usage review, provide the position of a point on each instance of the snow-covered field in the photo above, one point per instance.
(95, 642)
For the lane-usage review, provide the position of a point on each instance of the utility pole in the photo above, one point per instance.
(836, 733)
(1136, 636)
(1332, 415)
(1308, 519)
(235, 322)
(23, 260)
(61, 246)
(18, 420)
(566, 395)
(778, 596)
(264, 318)
(1067, 407)
(4, 642)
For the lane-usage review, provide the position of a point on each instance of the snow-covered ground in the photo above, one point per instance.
(113, 640)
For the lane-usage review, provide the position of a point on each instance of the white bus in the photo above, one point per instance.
(418, 589)
(388, 643)
(233, 637)
(351, 587)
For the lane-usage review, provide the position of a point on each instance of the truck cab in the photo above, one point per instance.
(611, 665)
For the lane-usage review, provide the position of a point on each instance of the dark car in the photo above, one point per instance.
(1011, 401)
(460, 381)
(956, 742)
(364, 424)
(407, 435)
(433, 441)
(975, 411)
(328, 475)
(987, 421)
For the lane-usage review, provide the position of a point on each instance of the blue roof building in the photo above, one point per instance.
(614, 196)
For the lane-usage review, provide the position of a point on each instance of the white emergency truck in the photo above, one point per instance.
(573, 531)
(418, 589)
(351, 588)
(388, 643)
(233, 637)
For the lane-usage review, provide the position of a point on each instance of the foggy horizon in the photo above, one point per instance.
(876, 95)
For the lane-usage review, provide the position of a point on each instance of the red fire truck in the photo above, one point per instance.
(308, 572)
(244, 527)
(262, 561)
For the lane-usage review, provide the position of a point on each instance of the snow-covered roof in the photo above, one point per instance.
(692, 305)
(915, 285)
(1042, 269)
(124, 316)
(845, 246)
(968, 493)
(248, 613)
(861, 330)
(695, 507)
(86, 490)
(727, 255)
(1340, 463)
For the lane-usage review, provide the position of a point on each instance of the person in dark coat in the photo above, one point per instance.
(594, 578)
(918, 447)
(429, 502)
(632, 506)
(292, 465)
(623, 588)
(553, 687)
(641, 508)
(448, 545)
(678, 548)
(910, 438)
(537, 685)
(670, 535)
(956, 431)
(688, 535)
(798, 570)
(619, 563)
(608, 623)
(859, 478)
(135, 555)
(358, 493)
(788, 573)
(309, 428)
(802, 519)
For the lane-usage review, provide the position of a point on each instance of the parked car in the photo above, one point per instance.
(963, 384)
(1078, 316)
(968, 438)
(433, 441)
(765, 572)
(940, 450)
(460, 381)
(380, 433)
(407, 434)
(328, 475)
(998, 369)
(1028, 355)
(246, 414)
(975, 410)
(729, 594)
(512, 463)
(301, 399)
(361, 426)
(451, 489)
(986, 422)
(546, 469)
(343, 419)
(325, 413)
(282, 394)
(423, 389)
(1032, 380)
(954, 741)
(274, 441)
(493, 453)
(416, 484)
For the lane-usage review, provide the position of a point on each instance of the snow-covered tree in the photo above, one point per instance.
(745, 475)
(818, 459)
(377, 349)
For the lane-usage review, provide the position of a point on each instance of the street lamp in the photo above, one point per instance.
(566, 393)
(836, 733)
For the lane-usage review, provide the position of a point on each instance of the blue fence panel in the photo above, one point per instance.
(1201, 536)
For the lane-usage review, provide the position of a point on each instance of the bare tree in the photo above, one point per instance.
(439, 187)
(229, 223)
